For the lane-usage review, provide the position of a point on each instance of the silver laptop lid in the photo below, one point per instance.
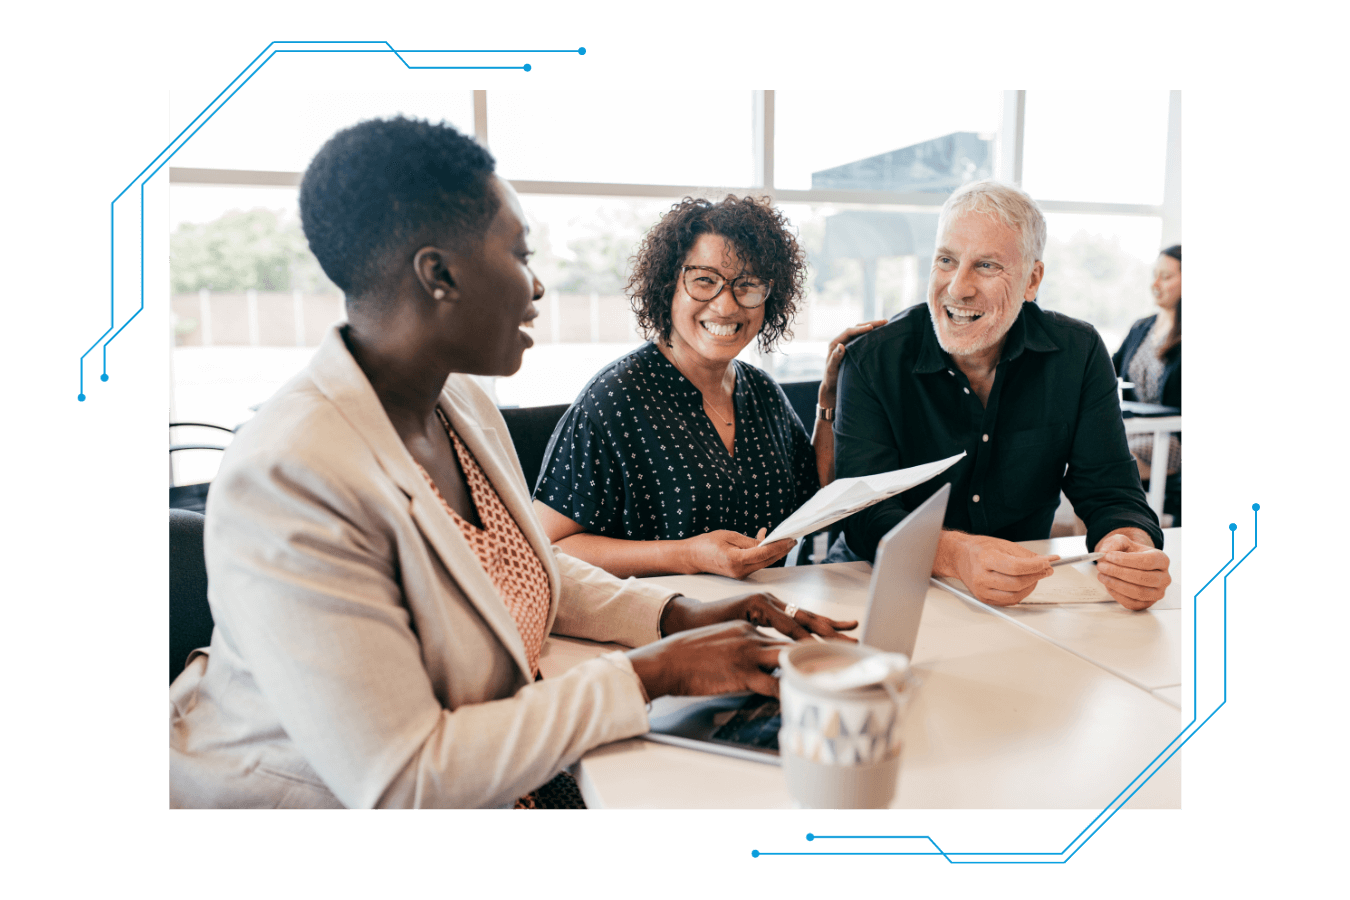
(900, 575)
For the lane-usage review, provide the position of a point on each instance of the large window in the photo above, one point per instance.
(860, 175)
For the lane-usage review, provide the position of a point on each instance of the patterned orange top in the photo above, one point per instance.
(507, 558)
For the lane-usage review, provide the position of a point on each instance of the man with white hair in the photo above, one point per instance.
(1028, 394)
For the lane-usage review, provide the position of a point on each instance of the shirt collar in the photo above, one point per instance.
(679, 385)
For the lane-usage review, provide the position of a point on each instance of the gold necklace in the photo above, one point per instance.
(706, 404)
(711, 409)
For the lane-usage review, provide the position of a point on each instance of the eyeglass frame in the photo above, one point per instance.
(768, 287)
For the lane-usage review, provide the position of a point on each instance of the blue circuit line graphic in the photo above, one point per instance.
(208, 112)
(1059, 857)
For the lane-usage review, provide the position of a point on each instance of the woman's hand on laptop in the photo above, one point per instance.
(714, 659)
(683, 613)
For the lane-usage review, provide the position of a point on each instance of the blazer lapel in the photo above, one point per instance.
(336, 373)
(490, 445)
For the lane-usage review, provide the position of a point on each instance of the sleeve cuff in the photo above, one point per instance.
(620, 661)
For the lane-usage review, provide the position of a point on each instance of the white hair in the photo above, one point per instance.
(1005, 202)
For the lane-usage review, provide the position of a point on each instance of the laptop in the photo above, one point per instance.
(746, 725)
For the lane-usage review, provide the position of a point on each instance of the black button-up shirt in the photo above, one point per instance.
(1052, 423)
(637, 458)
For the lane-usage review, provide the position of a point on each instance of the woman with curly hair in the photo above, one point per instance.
(674, 455)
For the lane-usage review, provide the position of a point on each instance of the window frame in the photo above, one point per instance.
(1008, 158)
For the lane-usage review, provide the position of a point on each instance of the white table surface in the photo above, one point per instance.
(1005, 717)
(1143, 647)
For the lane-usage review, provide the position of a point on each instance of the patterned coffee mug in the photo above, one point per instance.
(840, 739)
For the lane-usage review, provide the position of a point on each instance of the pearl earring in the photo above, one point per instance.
(439, 294)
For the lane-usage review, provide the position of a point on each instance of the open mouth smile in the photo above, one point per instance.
(717, 330)
(961, 315)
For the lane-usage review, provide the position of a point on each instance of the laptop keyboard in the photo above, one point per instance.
(755, 724)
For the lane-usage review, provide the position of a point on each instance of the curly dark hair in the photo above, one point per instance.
(764, 246)
(387, 187)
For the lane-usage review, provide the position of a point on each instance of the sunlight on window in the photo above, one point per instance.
(249, 303)
(820, 131)
(1107, 146)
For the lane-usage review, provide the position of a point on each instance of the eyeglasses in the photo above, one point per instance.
(704, 284)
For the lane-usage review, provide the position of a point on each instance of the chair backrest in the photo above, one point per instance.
(531, 429)
(190, 496)
(190, 622)
(802, 395)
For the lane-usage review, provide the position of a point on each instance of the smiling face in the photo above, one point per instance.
(1167, 282)
(977, 286)
(494, 292)
(713, 332)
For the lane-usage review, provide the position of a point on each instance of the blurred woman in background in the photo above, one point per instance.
(1150, 358)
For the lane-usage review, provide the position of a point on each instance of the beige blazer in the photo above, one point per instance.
(361, 656)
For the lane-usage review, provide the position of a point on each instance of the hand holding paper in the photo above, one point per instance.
(845, 496)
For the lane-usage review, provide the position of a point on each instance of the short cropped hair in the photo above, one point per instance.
(763, 243)
(387, 187)
(1009, 204)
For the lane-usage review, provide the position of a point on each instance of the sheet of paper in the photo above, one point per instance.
(1067, 585)
(845, 496)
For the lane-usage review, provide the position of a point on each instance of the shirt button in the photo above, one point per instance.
(984, 438)
(975, 499)
(967, 390)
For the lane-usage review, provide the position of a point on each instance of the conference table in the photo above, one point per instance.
(1027, 707)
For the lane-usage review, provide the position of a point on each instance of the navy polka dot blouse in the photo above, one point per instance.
(637, 458)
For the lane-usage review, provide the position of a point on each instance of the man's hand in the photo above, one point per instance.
(715, 659)
(834, 355)
(683, 613)
(1132, 570)
(732, 554)
(998, 572)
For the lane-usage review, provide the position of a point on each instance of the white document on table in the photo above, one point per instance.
(1067, 585)
(843, 497)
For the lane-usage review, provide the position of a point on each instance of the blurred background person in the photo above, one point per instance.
(1150, 359)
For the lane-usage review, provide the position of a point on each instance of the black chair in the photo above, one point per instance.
(190, 622)
(191, 496)
(802, 395)
(531, 428)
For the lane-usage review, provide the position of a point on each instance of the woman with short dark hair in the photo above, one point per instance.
(679, 458)
(380, 587)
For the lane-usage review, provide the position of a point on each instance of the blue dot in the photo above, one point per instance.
(755, 854)
(103, 377)
(527, 67)
(81, 398)
(810, 837)
(1255, 507)
(1232, 526)
(581, 51)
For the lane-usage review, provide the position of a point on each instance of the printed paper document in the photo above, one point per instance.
(845, 496)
